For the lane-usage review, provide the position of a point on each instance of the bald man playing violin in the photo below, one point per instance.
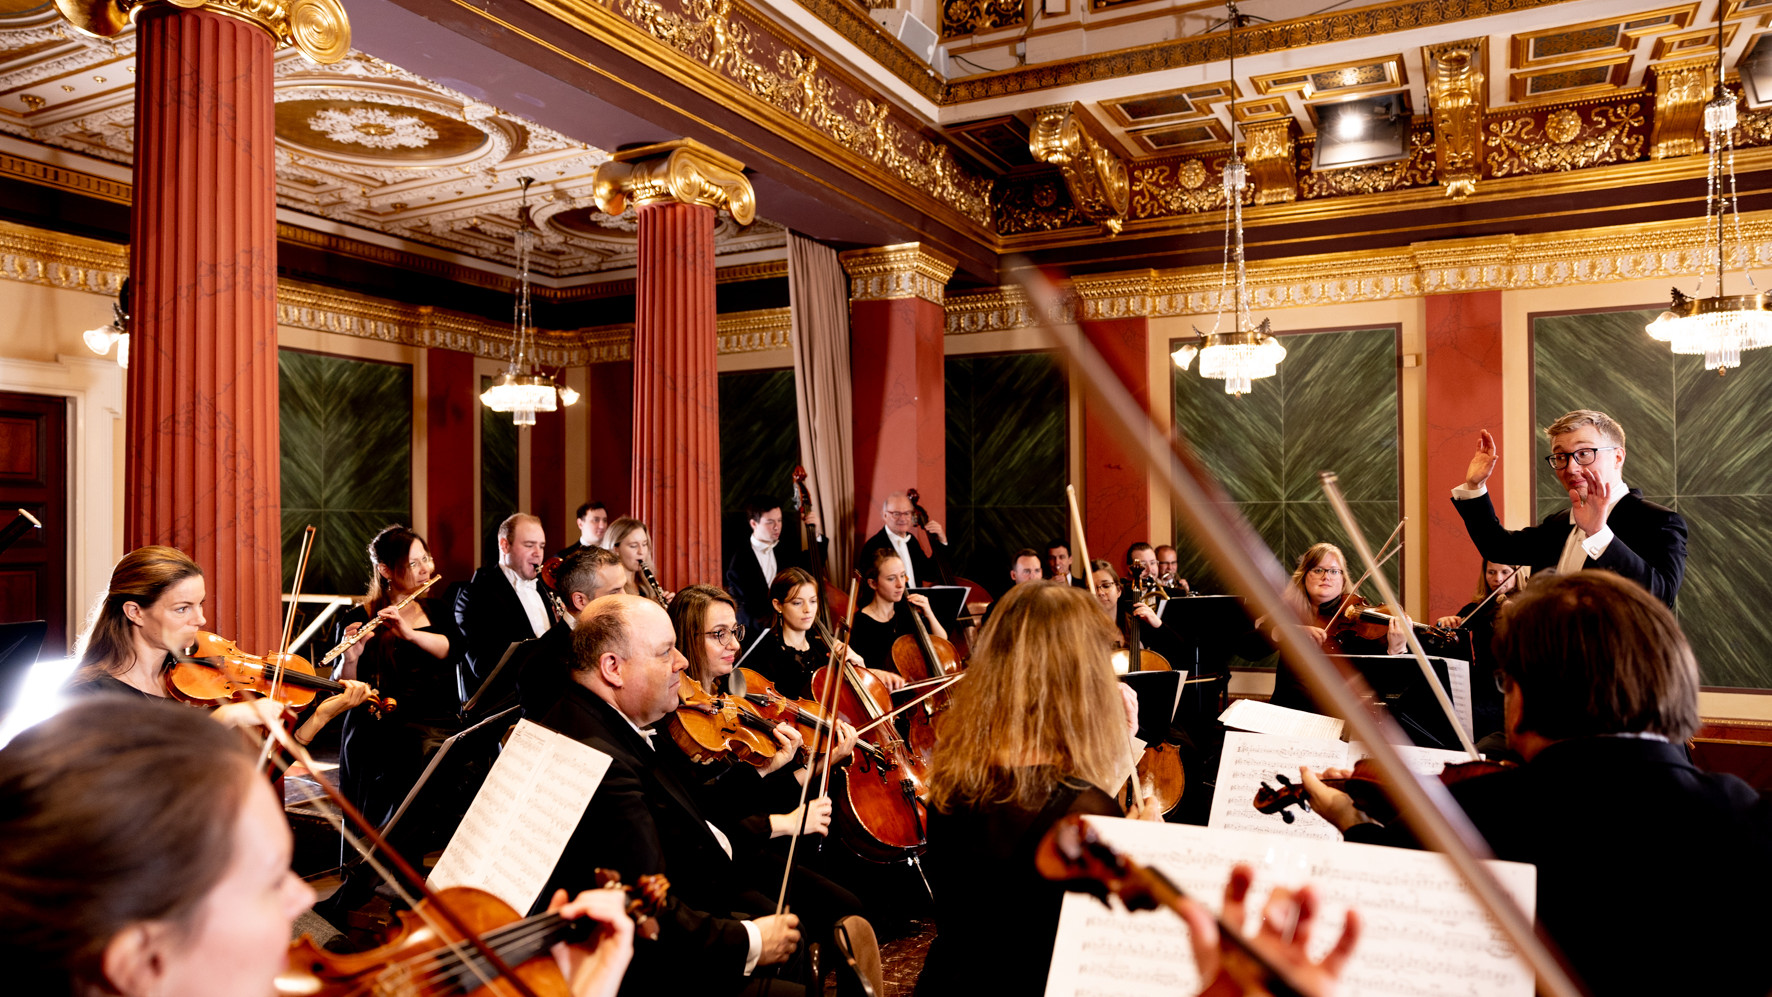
(1607, 525)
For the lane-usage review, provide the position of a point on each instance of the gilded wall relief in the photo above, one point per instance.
(1567, 138)
(1185, 186)
(1022, 205)
(1416, 171)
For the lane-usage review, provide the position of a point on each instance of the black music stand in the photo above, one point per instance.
(1208, 627)
(1398, 688)
(948, 602)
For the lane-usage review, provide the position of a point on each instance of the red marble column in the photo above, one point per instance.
(897, 359)
(1116, 487)
(1463, 397)
(201, 470)
(451, 411)
(676, 409)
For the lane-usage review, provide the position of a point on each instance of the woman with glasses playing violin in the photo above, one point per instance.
(752, 805)
(1317, 590)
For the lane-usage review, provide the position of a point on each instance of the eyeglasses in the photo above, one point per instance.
(720, 636)
(420, 562)
(900, 513)
(1326, 572)
(1583, 457)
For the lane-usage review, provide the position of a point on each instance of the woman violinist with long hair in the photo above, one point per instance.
(141, 856)
(1495, 584)
(149, 615)
(753, 804)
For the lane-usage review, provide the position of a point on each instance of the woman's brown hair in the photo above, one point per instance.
(689, 617)
(390, 549)
(141, 577)
(881, 556)
(113, 812)
(786, 583)
(1039, 704)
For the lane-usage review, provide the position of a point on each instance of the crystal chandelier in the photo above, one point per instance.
(518, 390)
(1719, 327)
(1248, 351)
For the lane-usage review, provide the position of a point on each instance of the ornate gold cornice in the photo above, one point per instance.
(755, 331)
(318, 28)
(1458, 92)
(681, 170)
(1681, 90)
(1095, 176)
(1273, 163)
(908, 270)
(62, 178)
(34, 256)
(1671, 251)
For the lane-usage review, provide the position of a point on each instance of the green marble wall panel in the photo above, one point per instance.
(345, 432)
(498, 474)
(1008, 427)
(1331, 407)
(759, 446)
(1696, 442)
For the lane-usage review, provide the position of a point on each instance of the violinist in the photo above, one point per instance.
(1318, 589)
(1495, 584)
(755, 804)
(1601, 695)
(151, 613)
(1039, 729)
(142, 857)
(879, 624)
(792, 650)
(630, 539)
(1136, 625)
(643, 820)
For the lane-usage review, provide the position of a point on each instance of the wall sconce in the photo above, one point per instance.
(99, 340)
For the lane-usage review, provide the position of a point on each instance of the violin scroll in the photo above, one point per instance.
(645, 898)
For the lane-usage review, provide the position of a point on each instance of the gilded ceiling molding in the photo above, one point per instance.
(754, 331)
(1417, 170)
(319, 29)
(1458, 92)
(907, 270)
(1571, 137)
(608, 343)
(34, 256)
(1095, 176)
(1671, 251)
(1402, 15)
(965, 17)
(727, 47)
(1681, 90)
(1273, 163)
(62, 178)
(682, 171)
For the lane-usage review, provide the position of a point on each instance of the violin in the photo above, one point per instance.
(707, 726)
(217, 671)
(880, 809)
(1367, 622)
(804, 714)
(1364, 787)
(419, 961)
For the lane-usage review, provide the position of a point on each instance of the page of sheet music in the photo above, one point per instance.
(1248, 759)
(1427, 761)
(520, 821)
(1266, 718)
(1458, 671)
(1423, 935)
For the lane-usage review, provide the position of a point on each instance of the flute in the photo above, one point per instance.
(367, 628)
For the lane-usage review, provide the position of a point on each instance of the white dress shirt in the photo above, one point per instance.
(1579, 548)
(903, 546)
(765, 557)
(530, 597)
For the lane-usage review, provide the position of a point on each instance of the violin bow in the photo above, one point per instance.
(301, 567)
(1070, 493)
(826, 705)
(1338, 501)
(1385, 553)
(349, 813)
(1247, 563)
(1492, 594)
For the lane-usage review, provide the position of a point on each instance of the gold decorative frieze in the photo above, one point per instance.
(1458, 92)
(1273, 163)
(34, 256)
(1172, 187)
(1567, 138)
(1415, 171)
(755, 331)
(1026, 204)
(1681, 90)
(682, 170)
(907, 270)
(608, 343)
(965, 17)
(1095, 176)
(1670, 251)
(319, 29)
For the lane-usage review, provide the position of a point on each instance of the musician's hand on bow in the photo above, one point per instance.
(781, 936)
(818, 819)
(1283, 938)
(1483, 462)
(892, 680)
(1317, 634)
(594, 968)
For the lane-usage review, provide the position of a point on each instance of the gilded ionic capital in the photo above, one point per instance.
(1681, 90)
(680, 170)
(1458, 93)
(907, 270)
(319, 28)
(1095, 176)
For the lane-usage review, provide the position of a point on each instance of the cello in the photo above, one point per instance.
(880, 810)
(921, 657)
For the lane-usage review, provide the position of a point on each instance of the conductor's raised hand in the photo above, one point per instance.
(1482, 462)
(1589, 500)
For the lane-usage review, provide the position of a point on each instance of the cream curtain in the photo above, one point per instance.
(818, 298)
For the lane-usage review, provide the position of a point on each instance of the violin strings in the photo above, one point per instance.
(450, 963)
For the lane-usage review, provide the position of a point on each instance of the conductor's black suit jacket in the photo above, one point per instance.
(1648, 541)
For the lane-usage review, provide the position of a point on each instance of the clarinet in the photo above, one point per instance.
(654, 589)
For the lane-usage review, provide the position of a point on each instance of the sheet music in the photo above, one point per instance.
(1266, 718)
(1248, 759)
(1426, 761)
(1423, 935)
(1458, 673)
(519, 823)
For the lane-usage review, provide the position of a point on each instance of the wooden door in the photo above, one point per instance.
(34, 477)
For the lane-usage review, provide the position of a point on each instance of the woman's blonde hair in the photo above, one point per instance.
(1039, 704)
(1295, 595)
(142, 576)
(1522, 574)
